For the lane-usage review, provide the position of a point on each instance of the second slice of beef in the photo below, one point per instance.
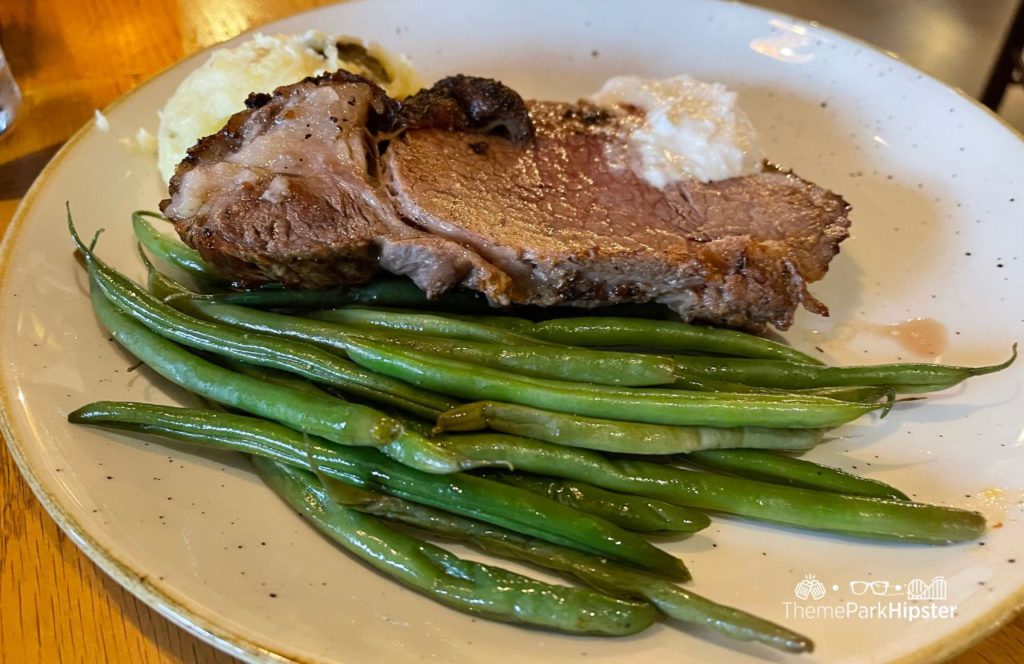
(571, 224)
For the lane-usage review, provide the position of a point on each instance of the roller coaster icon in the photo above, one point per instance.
(936, 590)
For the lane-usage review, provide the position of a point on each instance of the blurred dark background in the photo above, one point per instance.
(957, 41)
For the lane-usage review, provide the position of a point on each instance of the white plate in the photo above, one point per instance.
(935, 184)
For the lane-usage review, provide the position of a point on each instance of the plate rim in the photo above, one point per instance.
(160, 600)
(238, 645)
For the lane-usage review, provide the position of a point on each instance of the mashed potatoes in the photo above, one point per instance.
(215, 91)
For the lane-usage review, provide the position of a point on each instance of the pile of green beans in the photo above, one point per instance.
(543, 361)
(294, 356)
(615, 579)
(468, 586)
(279, 455)
(440, 374)
(561, 441)
(461, 493)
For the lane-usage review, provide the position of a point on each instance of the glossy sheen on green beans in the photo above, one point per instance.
(672, 600)
(652, 405)
(910, 377)
(631, 512)
(381, 292)
(559, 363)
(415, 448)
(686, 380)
(171, 250)
(614, 435)
(697, 381)
(522, 317)
(782, 469)
(858, 393)
(504, 321)
(297, 357)
(325, 411)
(408, 447)
(330, 335)
(335, 420)
(468, 586)
(433, 325)
(604, 367)
(461, 493)
(601, 573)
(854, 516)
(665, 335)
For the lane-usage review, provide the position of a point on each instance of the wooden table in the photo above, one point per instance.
(71, 56)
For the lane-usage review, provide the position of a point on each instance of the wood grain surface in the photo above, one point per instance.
(70, 57)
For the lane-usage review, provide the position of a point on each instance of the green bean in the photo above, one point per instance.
(281, 378)
(909, 377)
(670, 599)
(559, 363)
(857, 393)
(430, 324)
(668, 335)
(461, 493)
(522, 318)
(853, 516)
(686, 380)
(600, 573)
(173, 251)
(506, 322)
(652, 406)
(864, 393)
(782, 469)
(616, 436)
(468, 586)
(331, 336)
(381, 292)
(630, 512)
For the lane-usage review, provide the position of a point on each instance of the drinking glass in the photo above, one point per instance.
(10, 96)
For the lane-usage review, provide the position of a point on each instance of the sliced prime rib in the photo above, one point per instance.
(327, 181)
(289, 190)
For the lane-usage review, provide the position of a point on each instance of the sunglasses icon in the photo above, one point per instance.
(876, 587)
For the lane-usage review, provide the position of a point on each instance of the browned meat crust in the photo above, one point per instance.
(328, 180)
